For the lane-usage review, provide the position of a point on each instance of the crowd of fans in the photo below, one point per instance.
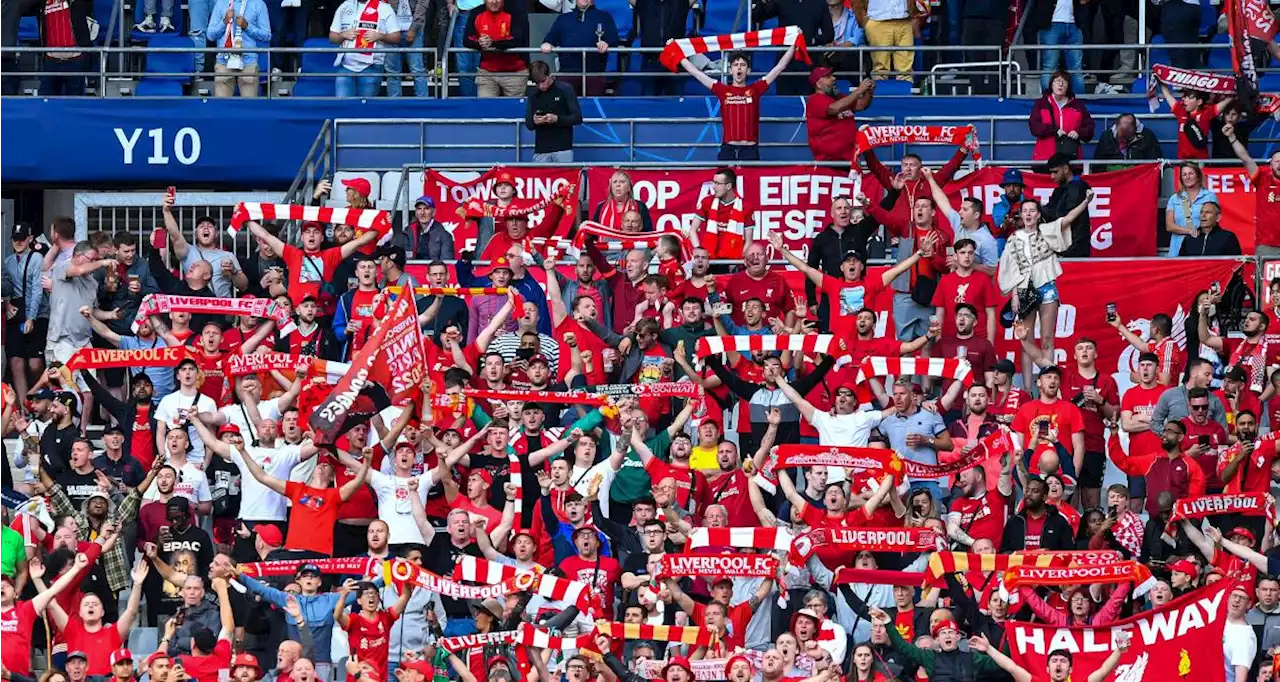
(198, 475)
(484, 33)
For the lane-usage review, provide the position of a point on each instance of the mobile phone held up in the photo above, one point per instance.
(1111, 312)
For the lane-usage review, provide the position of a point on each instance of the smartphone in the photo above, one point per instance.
(1042, 428)
(172, 192)
(1203, 440)
(1111, 312)
(1215, 288)
(159, 238)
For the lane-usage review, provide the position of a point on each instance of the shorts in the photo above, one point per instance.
(1048, 292)
(1138, 486)
(1095, 465)
(910, 319)
(19, 345)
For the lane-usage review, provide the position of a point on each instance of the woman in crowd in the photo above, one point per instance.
(1182, 217)
(1060, 121)
(613, 210)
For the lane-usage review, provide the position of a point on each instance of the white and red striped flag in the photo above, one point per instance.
(809, 344)
(768, 539)
(683, 48)
(363, 219)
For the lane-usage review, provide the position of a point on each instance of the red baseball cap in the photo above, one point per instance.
(729, 664)
(504, 176)
(1184, 566)
(120, 655)
(820, 73)
(420, 666)
(246, 660)
(484, 474)
(270, 534)
(678, 662)
(156, 656)
(228, 428)
(1243, 532)
(360, 185)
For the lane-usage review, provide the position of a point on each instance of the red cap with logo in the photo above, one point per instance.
(360, 185)
(121, 655)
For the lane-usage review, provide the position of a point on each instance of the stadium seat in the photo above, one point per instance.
(316, 62)
(28, 30)
(1220, 58)
(179, 25)
(102, 14)
(893, 88)
(167, 63)
(1159, 55)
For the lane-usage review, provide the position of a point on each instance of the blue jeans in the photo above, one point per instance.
(466, 62)
(393, 66)
(198, 13)
(1062, 34)
(362, 84)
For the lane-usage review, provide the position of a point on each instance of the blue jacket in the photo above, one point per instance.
(582, 28)
(317, 609)
(528, 287)
(256, 34)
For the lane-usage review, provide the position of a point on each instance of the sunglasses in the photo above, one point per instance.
(1197, 408)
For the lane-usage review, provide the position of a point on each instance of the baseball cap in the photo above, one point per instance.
(187, 360)
(500, 263)
(739, 657)
(360, 185)
(395, 253)
(496, 660)
(484, 474)
(270, 534)
(1004, 366)
(113, 428)
(573, 496)
(1013, 176)
(21, 231)
(67, 398)
(42, 394)
(820, 73)
(1148, 357)
(539, 357)
(681, 661)
(1184, 566)
(1236, 373)
(228, 428)
(421, 667)
(854, 253)
(245, 659)
(157, 655)
(425, 200)
(78, 654)
(944, 624)
(1051, 369)
(312, 225)
(1244, 533)
(308, 568)
(121, 655)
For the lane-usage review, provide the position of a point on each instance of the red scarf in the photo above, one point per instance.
(231, 26)
(1246, 504)
(611, 215)
(712, 565)
(902, 540)
(95, 358)
(1097, 574)
(368, 23)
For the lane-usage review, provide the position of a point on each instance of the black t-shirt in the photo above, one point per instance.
(224, 487)
(164, 598)
(442, 556)
(55, 444)
(78, 487)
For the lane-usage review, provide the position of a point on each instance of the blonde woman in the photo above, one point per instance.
(621, 201)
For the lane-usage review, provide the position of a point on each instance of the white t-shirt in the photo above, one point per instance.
(348, 17)
(394, 506)
(171, 405)
(257, 501)
(1239, 646)
(844, 430)
(581, 479)
(236, 414)
(192, 484)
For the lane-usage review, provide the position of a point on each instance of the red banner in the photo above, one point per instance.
(94, 358)
(452, 190)
(1235, 196)
(793, 200)
(401, 361)
(1122, 213)
(1181, 640)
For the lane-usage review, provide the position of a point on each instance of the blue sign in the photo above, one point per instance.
(261, 143)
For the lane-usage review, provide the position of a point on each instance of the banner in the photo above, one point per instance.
(1122, 214)
(713, 565)
(403, 363)
(713, 668)
(793, 200)
(532, 184)
(1235, 195)
(1181, 640)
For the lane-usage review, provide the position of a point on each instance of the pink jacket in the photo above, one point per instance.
(1052, 616)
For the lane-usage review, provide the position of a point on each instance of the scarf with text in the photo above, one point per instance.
(683, 48)
(809, 344)
(362, 565)
(1245, 504)
(671, 634)
(995, 445)
(533, 396)
(368, 24)
(708, 669)
(767, 539)
(158, 304)
(97, 358)
(538, 638)
(942, 563)
(239, 365)
(1096, 574)
(846, 575)
(610, 239)
(476, 640)
(664, 389)
(956, 369)
(400, 571)
(901, 540)
(477, 570)
(842, 456)
(1187, 79)
(362, 219)
(517, 302)
(478, 208)
(713, 565)
(870, 137)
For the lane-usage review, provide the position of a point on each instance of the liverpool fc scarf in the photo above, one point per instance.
(680, 49)
(809, 344)
(463, 642)
(844, 457)
(846, 575)
(1246, 504)
(531, 396)
(663, 389)
(401, 571)
(610, 239)
(713, 565)
(239, 365)
(452, 291)
(870, 137)
(900, 540)
(538, 638)
(364, 566)
(477, 570)
(96, 358)
(995, 445)
(942, 368)
(767, 539)
(1058, 576)
(477, 208)
(156, 304)
(942, 563)
(363, 219)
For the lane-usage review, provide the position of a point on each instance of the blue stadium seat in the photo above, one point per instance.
(316, 62)
(1220, 58)
(1159, 55)
(892, 88)
(179, 24)
(169, 63)
(1269, 82)
(28, 30)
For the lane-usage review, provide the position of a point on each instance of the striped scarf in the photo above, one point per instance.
(156, 304)
(671, 634)
(477, 570)
(942, 563)
(809, 344)
(683, 48)
(943, 368)
(767, 539)
(611, 239)
(363, 219)
(611, 215)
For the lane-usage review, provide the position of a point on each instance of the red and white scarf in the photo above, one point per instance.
(711, 565)
(842, 456)
(1246, 504)
(1097, 574)
(671, 634)
(367, 24)
(870, 137)
(809, 344)
(159, 304)
(611, 216)
(901, 540)
(360, 565)
(611, 239)
(478, 208)
(516, 476)
(95, 358)
(736, 224)
(400, 571)
(477, 570)
(957, 369)
(363, 219)
(995, 445)
(538, 638)
(683, 48)
(239, 365)
(476, 640)
(767, 539)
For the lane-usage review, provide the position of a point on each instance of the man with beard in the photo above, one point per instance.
(195, 281)
(1004, 214)
(178, 535)
(60, 435)
(1204, 438)
(1253, 352)
(845, 425)
(852, 291)
(947, 662)
(1059, 663)
(699, 280)
(1097, 398)
(759, 282)
(1247, 466)
(310, 337)
(1050, 424)
(692, 326)
(161, 378)
(724, 218)
(134, 414)
(1137, 407)
(979, 512)
(310, 267)
(518, 348)
(923, 246)
(574, 335)
(132, 281)
(965, 341)
(227, 274)
(850, 230)
(1266, 184)
(584, 283)
(1038, 526)
(829, 117)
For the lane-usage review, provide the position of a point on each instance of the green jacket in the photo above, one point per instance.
(943, 666)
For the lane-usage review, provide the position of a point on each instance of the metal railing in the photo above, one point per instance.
(1015, 72)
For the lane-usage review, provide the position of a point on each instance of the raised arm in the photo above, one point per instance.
(269, 239)
(1242, 152)
(486, 335)
(268, 480)
(781, 66)
(350, 487)
(420, 513)
(707, 81)
(1019, 674)
(1197, 538)
(211, 442)
(1079, 208)
(813, 274)
(1123, 638)
(125, 622)
(99, 326)
(940, 197)
(177, 243)
(368, 237)
(806, 408)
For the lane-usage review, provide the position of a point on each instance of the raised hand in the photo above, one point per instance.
(140, 570)
(35, 568)
(293, 608)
